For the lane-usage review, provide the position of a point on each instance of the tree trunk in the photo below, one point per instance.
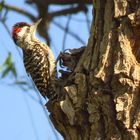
(102, 94)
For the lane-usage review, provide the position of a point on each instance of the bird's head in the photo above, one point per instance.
(21, 31)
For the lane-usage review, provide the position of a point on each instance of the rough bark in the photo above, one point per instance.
(101, 95)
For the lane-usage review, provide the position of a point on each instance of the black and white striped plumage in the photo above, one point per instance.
(38, 58)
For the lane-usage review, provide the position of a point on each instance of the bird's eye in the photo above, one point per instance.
(28, 30)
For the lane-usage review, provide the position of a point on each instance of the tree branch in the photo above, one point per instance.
(70, 32)
(59, 2)
(68, 11)
(66, 31)
(19, 10)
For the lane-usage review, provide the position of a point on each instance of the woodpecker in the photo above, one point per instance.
(38, 58)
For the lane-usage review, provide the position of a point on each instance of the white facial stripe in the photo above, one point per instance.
(23, 31)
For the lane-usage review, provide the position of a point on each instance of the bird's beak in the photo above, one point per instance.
(33, 27)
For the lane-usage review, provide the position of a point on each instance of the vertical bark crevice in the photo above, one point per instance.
(101, 95)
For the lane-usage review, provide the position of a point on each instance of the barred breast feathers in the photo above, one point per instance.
(50, 57)
(46, 49)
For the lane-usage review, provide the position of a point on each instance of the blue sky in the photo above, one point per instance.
(22, 114)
